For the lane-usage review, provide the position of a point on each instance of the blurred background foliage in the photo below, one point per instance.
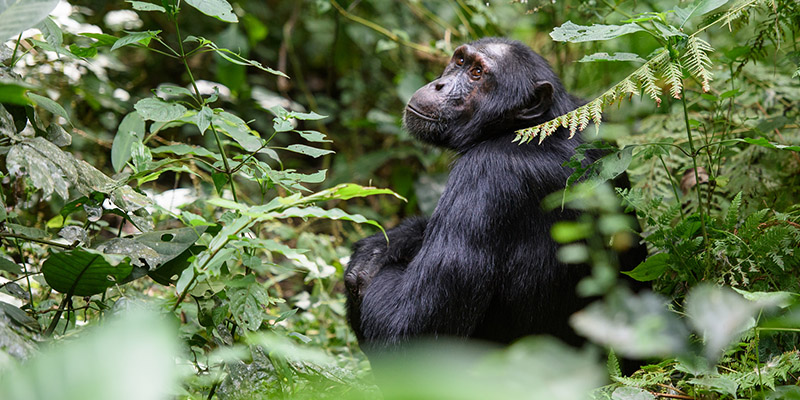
(268, 320)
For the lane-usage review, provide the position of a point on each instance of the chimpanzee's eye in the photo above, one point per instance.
(476, 73)
(460, 61)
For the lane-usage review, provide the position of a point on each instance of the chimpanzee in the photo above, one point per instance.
(484, 265)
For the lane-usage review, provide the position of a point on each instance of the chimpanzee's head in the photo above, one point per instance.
(491, 87)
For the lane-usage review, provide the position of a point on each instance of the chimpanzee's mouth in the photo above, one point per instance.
(420, 114)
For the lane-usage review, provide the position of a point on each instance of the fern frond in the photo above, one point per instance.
(672, 72)
(648, 83)
(697, 61)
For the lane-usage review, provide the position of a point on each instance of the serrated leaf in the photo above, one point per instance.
(619, 56)
(83, 272)
(17, 16)
(130, 129)
(573, 33)
(308, 150)
(49, 105)
(135, 37)
(219, 9)
(155, 109)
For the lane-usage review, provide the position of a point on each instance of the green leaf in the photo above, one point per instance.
(130, 129)
(310, 116)
(348, 191)
(314, 136)
(184, 149)
(619, 56)
(52, 33)
(763, 142)
(698, 8)
(173, 90)
(237, 129)
(19, 15)
(248, 301)
(720, 315)
(14, 93)
(155, 109)
(145, 6)
(203, 119)
(651, 268)
(130, 355)
(83, 272)
(49, 105)
(135, 37)
(719, 384)
(219, 9)
(570, 32)
(631, 393)
(10, 266)
(308, 150)
(732, 216)
(102, 39)
(20, 317)
(612, 165)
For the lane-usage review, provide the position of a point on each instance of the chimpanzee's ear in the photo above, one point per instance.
(540, 102)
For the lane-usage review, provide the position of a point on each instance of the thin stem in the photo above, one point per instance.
(700, 206)
(671, 182)
(14, 54)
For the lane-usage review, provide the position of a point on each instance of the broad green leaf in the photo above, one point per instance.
(317, 212)
(248, 301)
(573, 33)
(169, 272)
(203, 119)
(308, 150)
(612, 57)
(720, 384)
(155, 109)
(173, 90)
(83, 272)
(636, 326)
(631, 393)
(130, 355)
(102, 39)
(763, 142)
(130, 129)
(348, 191)
(314, 136)
(135, 37)
(52, 33)
(697, 8)
(310, 116)
(52, 169)
(184, 149)
(10, 266)
(237, 129)
(14, 93)
(20, 317)
(19, 15)
(145, 6)
(219, 9)
(612, 165)
(49, 105)
(82, 52)
(651, 268)
(720, 315)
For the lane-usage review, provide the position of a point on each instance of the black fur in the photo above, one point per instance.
(484, 265)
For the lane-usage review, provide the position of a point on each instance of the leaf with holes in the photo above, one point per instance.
(84, 272)
(573, 33)
(248, 301)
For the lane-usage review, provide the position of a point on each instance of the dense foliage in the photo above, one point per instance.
(178, 196)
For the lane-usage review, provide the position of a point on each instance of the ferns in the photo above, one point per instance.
(697, 61)
(665, 64)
